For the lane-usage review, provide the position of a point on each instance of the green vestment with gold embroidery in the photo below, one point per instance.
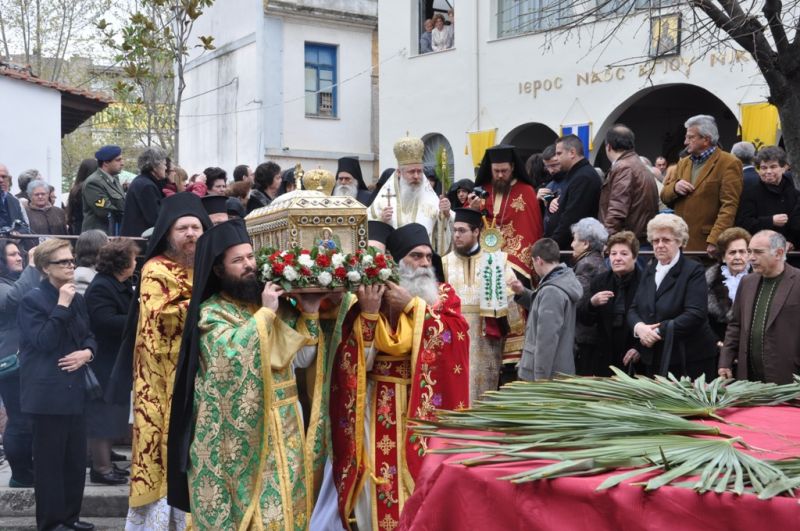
(249, 469)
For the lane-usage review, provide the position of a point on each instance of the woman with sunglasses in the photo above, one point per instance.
(56, 343)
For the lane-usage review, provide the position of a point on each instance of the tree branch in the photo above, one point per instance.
(772, 12)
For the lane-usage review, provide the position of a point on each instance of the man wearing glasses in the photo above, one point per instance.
(706, 186)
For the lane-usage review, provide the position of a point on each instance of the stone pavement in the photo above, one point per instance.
(104, 506)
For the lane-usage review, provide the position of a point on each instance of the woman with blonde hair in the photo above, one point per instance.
(669, 315)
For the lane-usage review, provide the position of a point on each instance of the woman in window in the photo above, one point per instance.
(442, 35)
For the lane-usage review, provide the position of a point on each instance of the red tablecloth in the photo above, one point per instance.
(450, 496)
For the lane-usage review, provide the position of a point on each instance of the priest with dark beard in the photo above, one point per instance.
(236, 430)
(349, 181)
(510, 205)
(404, 354)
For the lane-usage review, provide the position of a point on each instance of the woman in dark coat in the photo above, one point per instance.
(108, 299)
(610, 297)
(772, 202)
(15, 281)
(55, 345)
(669, 315)
(723, 278)
(588, 241)
(74, 209)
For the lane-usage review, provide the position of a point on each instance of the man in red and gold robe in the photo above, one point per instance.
(404, 355)
(510, 205)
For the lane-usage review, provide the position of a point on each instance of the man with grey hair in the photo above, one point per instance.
(143, 200)
(25, 178)
(705, 188)
(746, 152)
(763, 336)
(11, 211)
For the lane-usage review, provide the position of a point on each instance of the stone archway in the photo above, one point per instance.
(657, 114)
(530, 138)
(433, 142)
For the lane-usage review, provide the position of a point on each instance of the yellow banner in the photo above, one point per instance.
(760, 124)
(479, 142)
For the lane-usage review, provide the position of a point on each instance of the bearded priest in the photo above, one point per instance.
(349, 181)
(404, 355)
(481, 277)
(510, 205)
(407, 197)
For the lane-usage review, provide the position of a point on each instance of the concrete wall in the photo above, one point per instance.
(244, 102)
(349, 131)
(31, 132)
(221, 114)
(549, 78)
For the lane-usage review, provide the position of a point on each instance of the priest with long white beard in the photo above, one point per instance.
(408, 198)
(350, 182)
(404, 355)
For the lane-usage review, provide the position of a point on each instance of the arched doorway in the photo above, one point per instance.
(530, 138)
(657, 114)
(433, 143)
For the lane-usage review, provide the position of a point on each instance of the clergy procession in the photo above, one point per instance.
(284, 364)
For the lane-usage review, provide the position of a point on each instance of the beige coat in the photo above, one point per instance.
(712, 207)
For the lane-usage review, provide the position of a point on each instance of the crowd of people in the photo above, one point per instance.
(251, 403)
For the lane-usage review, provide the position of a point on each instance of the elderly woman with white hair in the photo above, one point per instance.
(669, 315)
(43, 217)
(588, 242)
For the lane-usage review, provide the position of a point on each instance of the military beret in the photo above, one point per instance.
(107, 153)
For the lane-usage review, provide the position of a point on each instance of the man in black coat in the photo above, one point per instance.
(143, 200)
(10, 208)
(349, 180)
(772, 202)
(581, 193)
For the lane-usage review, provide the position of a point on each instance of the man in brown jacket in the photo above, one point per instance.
(705, 188)
(763, 335)
(629, 196)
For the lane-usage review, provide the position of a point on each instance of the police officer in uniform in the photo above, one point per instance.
(103, 197)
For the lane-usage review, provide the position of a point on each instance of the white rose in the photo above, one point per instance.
(353, 276)
(366, 260)
(324, 278)
(289, 273)
(384, 274)
(337, 260)
(305, 260)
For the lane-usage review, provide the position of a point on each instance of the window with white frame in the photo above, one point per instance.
(321, 91)
(516, 17)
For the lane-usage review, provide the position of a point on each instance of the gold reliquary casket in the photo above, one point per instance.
(305, 218)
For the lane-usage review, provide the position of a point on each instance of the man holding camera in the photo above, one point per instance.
(506, 196)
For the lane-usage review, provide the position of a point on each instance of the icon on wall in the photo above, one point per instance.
(665, 35)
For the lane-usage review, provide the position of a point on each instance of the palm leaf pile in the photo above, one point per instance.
(638, 426)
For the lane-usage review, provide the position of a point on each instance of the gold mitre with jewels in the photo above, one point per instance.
(319, 180)
(409, 150)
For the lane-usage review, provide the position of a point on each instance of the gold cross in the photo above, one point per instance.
(386, 445)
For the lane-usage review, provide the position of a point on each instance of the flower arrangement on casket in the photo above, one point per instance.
(324, 268)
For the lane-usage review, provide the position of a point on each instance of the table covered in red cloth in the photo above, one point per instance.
(449, 496)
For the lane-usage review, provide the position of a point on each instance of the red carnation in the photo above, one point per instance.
(305, 251)
(371, 272)
(340, 273)
(323, 260)
(380, 261)
(274, 256)
(306, 272)
(277, 268)
(289, 259)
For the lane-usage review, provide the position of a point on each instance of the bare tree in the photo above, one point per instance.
(45, 32)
